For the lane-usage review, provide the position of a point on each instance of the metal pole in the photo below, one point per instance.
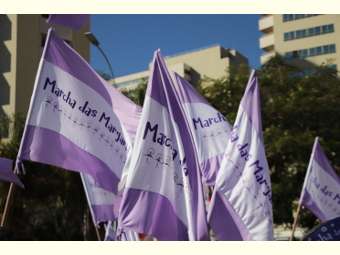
(106, 59)
(93, 40)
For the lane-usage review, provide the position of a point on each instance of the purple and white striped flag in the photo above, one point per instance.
(241, 206)
(74, 21)
(103, 204)
(321, 188)
(209, 127)
(6, 173)
(163, 194)
(72, 121)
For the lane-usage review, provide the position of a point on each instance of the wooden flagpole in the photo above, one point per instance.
(295, 222)
(8, 203)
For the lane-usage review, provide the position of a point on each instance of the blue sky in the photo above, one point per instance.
(129, 40)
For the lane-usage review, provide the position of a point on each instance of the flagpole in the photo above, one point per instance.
(90, 208)
(295, 222)
(303, 188)
(10, 194)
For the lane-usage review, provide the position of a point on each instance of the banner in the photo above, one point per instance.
(241, 206)
(327, 231)
(209, 127)
(6, 173)
(163, 195)
(321, 189)
(72, 121)
(74, 21)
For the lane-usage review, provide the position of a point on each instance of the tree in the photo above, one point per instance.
(295, 108)
(137, 94)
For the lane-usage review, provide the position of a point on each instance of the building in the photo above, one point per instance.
(212, 62)
(22, 38)
(303, 39)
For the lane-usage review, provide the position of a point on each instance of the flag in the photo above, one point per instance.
(74, 21)
(327, 231)
(209, 127)
(241, 205)
(71, 121)
(6, 173)
(321, 189)
(103, 204)
(163, 194)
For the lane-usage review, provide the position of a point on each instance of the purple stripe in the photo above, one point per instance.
(187, 92)
(210, 168)
(225, 222)
(321, 159)
(6, 173)
(152, 214)
(62, 55)
(46, 146)
(75, 21)
(251, 103)
(308, 202)
(104, 213)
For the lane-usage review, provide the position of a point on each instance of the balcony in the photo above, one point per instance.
(266, 23)
(267, 42)
(267, 56)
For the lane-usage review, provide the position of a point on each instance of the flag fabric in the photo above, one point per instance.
(6, 173)
(103, 204)
(74, 21)
(209, 127)
(71, 121)
(241, 205)
(327, 231)
(111, 233)
(163, 194)
(321, 189)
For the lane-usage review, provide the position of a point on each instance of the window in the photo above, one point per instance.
(313, 31)
(332, 48)
(326, 49)
(312, 52)
(317, 30)
(328, 29)
(286, 37)
(290, 17)
(315, 51)
(318, 50)
(304, 53)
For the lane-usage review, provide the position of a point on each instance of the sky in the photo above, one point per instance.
(130, 40)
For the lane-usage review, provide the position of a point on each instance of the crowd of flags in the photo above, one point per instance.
(151, 170)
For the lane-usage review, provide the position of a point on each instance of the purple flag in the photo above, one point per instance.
(6, 173)
(321, 188)
(209, 127)
(104, 204)
(241, 206)
(74, 21)
(72, 121)
(163, 194)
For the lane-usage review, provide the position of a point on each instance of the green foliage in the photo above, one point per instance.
(295, 109)
(137, 94)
